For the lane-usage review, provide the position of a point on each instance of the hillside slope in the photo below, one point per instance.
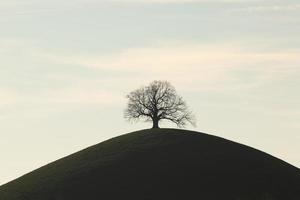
(161, 164)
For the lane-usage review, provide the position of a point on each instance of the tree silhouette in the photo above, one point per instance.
(158, 101)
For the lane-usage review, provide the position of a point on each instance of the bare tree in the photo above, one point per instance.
(158, 101)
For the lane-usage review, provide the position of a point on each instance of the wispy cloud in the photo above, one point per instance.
(191, 62)
(190, 66)
(182, 1)
(270, 8)
(18, 3)
(184, 63)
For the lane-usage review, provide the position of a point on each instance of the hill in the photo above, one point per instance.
(161, 164)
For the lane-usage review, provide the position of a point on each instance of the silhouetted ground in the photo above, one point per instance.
(161, 164)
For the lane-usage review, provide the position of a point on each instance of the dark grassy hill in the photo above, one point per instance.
(161, 164)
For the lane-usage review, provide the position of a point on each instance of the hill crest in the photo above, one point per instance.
(160, 164)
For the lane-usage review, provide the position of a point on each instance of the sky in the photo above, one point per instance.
(66, 67)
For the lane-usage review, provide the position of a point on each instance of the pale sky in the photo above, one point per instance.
(66, 66)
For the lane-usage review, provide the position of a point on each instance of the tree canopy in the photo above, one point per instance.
(158, 101)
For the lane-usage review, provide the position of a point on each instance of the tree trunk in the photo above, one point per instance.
(155, 123)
